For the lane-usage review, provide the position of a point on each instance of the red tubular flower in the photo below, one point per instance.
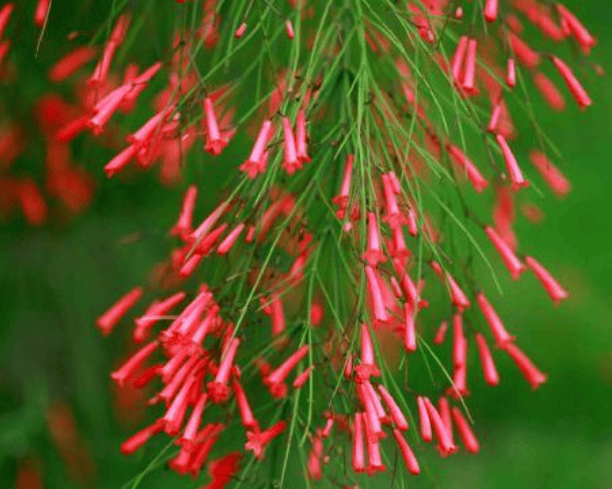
(358, 457)
(526, 366)
(396, 413)
(203, 229)
(106, 108)
(100, 74)
(511, 73)
(441, 333)
(425, 423)
(374, 458)
(291, 162)
(375, 294)
(301, 138)
(218, 389)
(183, 227)
(486, 360)
(227, 244)
(442, 434)
(468, 438)
(107, 321)
(341, 200)
(381, 414)
(259, 440)
(173, 418)
(40, 14)
(516, 177)
(223, 470)
(524, 54)
(445, 415)
(128, 369)
(458, 58)
(210, 434)
(314, 458)
(32, 203)
(458, 297)
(72, 129)
(246, 415)
(578, 92)
(240, 31)
(177, 380)
(571, 22)
(502, 338)
(120, 161)
(470, 67)
(475, 177)
(490, 10)
(278, 315)
(409, 328)
(301, 379)
(215, 141)
(371, 414)
(275, 379)
(373, 255)
(71, 63)
(407, 454)
(547, 88)
(137, 440)
(555, 179)
(289, 29)
(513, 264)
(256, 162)
(459, 341)
(5, 16)
(191, 429)
(554, 289)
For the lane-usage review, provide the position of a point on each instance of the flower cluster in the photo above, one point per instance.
(347, 229)
(71, 186)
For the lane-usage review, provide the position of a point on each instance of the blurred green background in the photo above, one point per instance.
(55, 280)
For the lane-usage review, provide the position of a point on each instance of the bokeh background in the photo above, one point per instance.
(61, 417)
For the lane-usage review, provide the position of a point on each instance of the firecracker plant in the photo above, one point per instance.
(324, 311)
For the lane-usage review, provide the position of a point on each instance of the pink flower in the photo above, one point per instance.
(375, 295)
(246, 415)
(183, 227)
(341, 200)
(229, 241)
(407, 454)
(396, 413)
(513, 264)
(301, 138)
(442, 434)
(465, 432)
(425, 423)
(358, 457)
(215, 140)
(476, 179)
(470, 67)
(526, 366)
(137, 440)
(134, 363)
(275, 379)
(291, 162)
(110, 318)
(554, 289)
(218, 389)
(578, 92)
(490, 10)
(502, 338)
(259, 440)
(486, 360)
(516, 177)
(555, 179)
(257, 160)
